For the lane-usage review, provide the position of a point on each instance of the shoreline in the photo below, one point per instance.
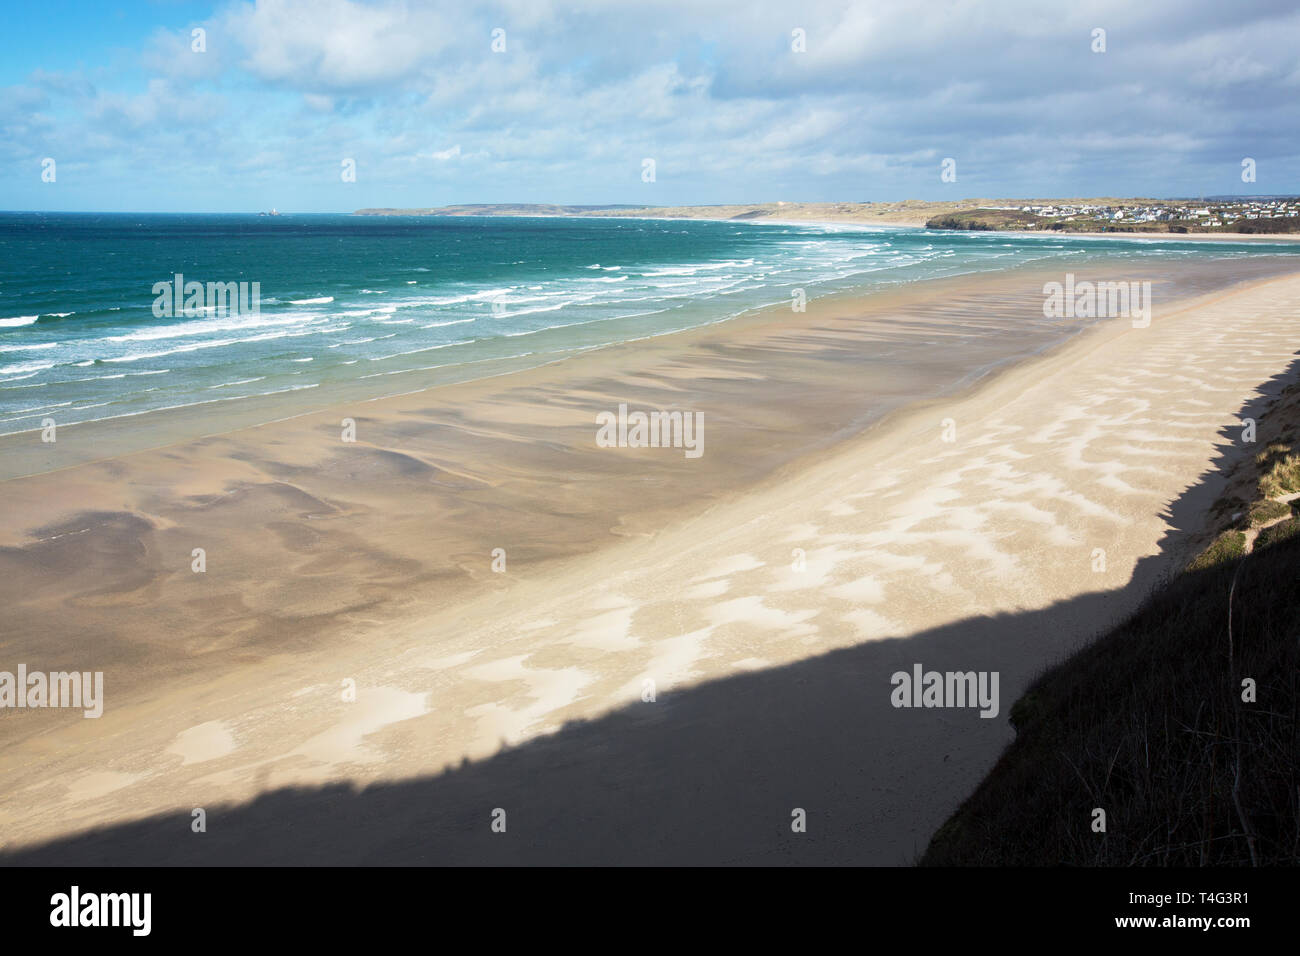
(572, 632)
(185, 423)
(156, 429)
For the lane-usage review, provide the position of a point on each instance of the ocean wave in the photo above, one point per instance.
(376, 338)
(701, 267)
(208, 326)
(364, 313)
(105, 378)
(321, 300)
(24, 367)
(18, 320)
(459, 299)
(540, 308)
(430, 348)
(218, 343)
(439, 325)
(40, 408)
(242, 381)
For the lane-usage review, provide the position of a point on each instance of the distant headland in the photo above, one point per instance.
(1224, 216)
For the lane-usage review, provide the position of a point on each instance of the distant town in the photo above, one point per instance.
(1241, 215)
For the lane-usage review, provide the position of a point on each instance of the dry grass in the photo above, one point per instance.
(1280, 471)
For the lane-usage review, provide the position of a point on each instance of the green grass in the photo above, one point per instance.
(1226, 547)
(1281, 531)
(1266, 510)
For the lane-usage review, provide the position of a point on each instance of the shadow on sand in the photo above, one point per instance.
(705, 775)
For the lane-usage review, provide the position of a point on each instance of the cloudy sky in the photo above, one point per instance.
(414, 93)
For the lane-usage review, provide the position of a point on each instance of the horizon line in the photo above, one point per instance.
(788, 202)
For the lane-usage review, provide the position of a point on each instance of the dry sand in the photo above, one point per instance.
(330, 565)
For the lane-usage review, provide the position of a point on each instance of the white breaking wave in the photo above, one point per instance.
(207, 326)
(217, 343)
(23, 367)
(431, 348)
(242, 381)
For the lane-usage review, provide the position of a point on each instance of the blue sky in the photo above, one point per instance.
(413, 93)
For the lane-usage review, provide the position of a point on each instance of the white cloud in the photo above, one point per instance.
(335, 45)
(711, 89)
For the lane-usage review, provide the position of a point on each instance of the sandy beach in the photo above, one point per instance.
(907, 214)
(762, 594)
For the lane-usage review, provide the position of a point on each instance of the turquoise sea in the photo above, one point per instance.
(381, 298)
